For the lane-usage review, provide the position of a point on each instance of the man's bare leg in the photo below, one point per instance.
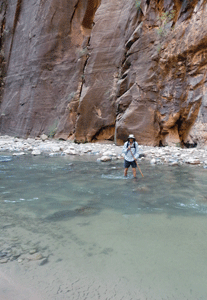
(134, 172)
(125, 172)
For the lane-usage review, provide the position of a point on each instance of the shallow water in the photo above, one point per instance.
(133, 239)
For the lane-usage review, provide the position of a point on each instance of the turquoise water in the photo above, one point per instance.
(147, 236)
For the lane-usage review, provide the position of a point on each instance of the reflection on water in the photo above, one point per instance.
(150, 231)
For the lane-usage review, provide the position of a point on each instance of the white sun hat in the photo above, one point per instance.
(131, 136)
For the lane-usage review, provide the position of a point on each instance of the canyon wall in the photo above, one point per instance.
(91, 70)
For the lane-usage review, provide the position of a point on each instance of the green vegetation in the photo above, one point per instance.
(165, 18)
(71, 96)
(53, 129)
(82, 52)
(164, 29)
(159, 47)
(137, 4)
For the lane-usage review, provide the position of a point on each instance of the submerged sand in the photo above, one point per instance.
(106, 256)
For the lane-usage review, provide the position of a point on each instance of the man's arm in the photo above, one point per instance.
(125, 149)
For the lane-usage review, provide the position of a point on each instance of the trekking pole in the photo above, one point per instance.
(136, 163)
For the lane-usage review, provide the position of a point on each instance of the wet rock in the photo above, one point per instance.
(36, 152)
(53, 154)
(153, 161)
(16, 253)
(105, 158)
(55, 148)
(173, 163)
(36, 256)
(43, 137)
(87, 150)
(3, 254)
(109, 153)
(141, 189)
(8, 225)
(32, 251)
(4, 260)
(193, 161)
(70, 151)
(18, 153)
(44, 261)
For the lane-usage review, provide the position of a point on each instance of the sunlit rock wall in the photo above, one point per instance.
(101, 69)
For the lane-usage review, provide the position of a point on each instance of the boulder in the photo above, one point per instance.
(193, 161)
(18, 153)
(109, 153)
(36, 152)
(70, 151)
(105, 158)
(43, 137)
(153, 161)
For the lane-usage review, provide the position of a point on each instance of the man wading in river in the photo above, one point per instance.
(131, 153)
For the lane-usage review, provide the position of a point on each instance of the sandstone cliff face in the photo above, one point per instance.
(101, 69)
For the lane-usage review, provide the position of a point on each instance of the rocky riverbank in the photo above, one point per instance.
(104, 152)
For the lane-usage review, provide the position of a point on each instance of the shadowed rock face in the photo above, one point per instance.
(94, 70)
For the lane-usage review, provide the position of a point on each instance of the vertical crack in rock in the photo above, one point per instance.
(127, 81)
(4, 6)
(73, 14)
(16, 19)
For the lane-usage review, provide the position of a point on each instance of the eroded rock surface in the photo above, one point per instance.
(99, 70)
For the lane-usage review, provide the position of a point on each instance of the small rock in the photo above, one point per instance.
(18, 154)
(20, 260)
(43, 137)
(153, 161)
(32, 251)
(109, 153)
(7, 225)
(174, 163)
(55, 148)
(114, 158)
(193, 161)
(105, 158)
(34, 257)
(3, 254)
(53, 154)
(4, 261)
(36, 152)
(70, 151)
(16, 253)
(43, 262)
(87, 151)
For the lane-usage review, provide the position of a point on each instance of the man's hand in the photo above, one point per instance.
(129, 148)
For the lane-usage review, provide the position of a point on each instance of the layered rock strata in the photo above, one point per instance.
(99, 70)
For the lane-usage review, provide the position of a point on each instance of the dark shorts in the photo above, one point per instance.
(127, 164)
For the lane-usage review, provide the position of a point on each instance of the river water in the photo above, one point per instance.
(106, 237)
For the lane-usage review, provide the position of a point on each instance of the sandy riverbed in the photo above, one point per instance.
(60, 260)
